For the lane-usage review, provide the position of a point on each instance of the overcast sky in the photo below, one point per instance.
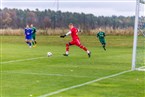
(96, 7)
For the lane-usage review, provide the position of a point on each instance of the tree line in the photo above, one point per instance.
(17, 18)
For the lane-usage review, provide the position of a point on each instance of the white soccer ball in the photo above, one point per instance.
(49, 54)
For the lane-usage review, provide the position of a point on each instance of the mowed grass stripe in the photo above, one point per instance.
(29, 59)
(83, 84)
(116, 59)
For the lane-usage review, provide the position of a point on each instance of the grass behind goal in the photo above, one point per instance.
(140, 52)
(140, 57)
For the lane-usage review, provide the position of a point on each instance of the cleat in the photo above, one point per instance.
(89, 54)
(34, 46)
(65, 54)
(104, 48)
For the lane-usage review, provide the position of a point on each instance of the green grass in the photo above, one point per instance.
(48, 74)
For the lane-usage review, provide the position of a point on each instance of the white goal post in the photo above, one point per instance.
(136, 28)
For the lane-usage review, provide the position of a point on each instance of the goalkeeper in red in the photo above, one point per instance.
(75, 40)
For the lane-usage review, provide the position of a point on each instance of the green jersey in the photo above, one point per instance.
(101, 36)
(34, 30)
(34, 33)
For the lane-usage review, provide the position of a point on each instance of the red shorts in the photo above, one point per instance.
(75, 42)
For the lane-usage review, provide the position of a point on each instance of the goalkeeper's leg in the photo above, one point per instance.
(67, 48)
(83, 47)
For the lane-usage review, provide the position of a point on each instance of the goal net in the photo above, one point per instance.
(138, 62)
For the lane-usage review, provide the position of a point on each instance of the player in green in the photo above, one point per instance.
(101, 35)
(33, 35)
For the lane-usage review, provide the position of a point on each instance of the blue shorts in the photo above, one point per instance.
(28, 38)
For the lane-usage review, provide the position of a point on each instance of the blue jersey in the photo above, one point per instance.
(28, 33)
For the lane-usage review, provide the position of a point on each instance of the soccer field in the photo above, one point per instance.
(29, 72)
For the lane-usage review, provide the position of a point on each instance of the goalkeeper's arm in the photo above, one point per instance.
(62, 36)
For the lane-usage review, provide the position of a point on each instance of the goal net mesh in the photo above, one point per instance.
(140, 53)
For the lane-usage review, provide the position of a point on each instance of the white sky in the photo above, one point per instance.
(96, 7)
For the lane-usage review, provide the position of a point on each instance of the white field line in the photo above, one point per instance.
(67, 1)
(83, 84)
(46, 74)
(22, 60)
(141, 68)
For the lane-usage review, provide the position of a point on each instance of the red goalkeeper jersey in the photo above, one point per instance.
(74, 33)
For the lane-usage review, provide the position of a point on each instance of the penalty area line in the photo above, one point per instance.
(47, 74)
(83, 84)
(22, 60)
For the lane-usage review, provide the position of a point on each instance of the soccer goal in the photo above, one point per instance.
(138, 59)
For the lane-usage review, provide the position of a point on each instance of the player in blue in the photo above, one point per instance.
(28, 36)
